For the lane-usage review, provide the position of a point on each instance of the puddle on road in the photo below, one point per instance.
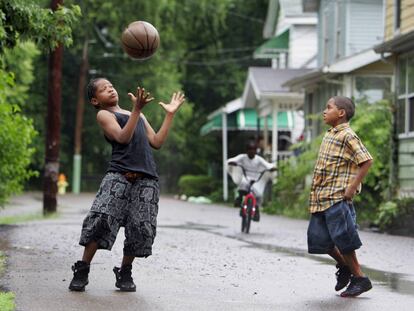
(395, 281)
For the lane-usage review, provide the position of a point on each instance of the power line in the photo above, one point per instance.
(224, 51)
(242, 16)
(213, 63)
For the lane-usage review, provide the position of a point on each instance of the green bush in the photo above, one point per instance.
(387, 212)
(197, 185)
(16, 134)
(395, 214)
(292, 188)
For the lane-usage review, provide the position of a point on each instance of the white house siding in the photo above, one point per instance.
(365, 25)
(287, 9)
(326, 32)
(347, 27)
(302, 45)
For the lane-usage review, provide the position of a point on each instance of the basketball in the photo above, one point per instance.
(140, 40)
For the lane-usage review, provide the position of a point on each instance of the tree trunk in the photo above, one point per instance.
(53, 126)
(77, 158)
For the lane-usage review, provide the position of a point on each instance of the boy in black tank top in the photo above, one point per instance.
(129, 193)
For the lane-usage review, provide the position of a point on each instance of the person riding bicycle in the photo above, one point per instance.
(253, 165)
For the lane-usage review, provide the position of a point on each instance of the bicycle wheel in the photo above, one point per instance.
(244, 223)
(248, 217)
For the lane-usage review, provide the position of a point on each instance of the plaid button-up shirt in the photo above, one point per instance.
(339, 157)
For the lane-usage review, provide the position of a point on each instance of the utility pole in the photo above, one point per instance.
(77, 157)
(53, 126)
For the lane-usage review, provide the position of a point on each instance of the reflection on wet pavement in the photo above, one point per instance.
(395, 281)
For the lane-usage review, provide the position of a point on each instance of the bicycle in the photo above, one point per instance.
(249, 203)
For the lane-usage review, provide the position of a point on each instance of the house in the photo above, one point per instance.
(399, 42)
(346, 63)
(265, 93)
(292, 48)
(266, 108)
(291, 35)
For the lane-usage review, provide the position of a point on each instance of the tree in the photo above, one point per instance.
(20, 22)
(218, 27)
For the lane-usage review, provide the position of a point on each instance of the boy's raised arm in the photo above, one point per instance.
(112, 129)
(157, 139)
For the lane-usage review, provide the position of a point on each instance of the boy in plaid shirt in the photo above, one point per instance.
(343, 162)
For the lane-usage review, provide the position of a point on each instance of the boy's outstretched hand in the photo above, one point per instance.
(177, 100)
(141, 99)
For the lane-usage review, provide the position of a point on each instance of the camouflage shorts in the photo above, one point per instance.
(122, 203)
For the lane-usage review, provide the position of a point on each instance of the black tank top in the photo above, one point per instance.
(136, 156)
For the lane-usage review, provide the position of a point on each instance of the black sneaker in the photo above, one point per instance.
(343, 276)
(80, 276)
(124, 279)
(357, 286)
(256, 216)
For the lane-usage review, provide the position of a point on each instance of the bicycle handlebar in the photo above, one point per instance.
(244, 172)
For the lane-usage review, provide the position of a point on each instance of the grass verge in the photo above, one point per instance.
(6, 298)
(10, 220)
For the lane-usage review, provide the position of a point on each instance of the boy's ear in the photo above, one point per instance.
(94, 102)
(342, 113)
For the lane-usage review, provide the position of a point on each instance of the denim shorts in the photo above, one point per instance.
(121, 203)
(335, 226)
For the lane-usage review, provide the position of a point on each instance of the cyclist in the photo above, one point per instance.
(253, 165)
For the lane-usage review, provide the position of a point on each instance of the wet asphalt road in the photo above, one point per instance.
(200, 261)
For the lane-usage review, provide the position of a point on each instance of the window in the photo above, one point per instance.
(410, 74)
(402, 77)
(325, 36)
(311, 109)
(411, 114)
(372, 89)
(397, 15)
(338, 34)
(405, 110)
(401, 116)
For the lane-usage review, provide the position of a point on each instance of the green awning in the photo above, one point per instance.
(246, 120)
(272, 47)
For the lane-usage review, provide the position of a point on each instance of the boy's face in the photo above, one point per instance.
(105, 94)
(332, 115)
(251, 151)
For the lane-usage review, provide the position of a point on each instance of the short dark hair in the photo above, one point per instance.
(346, 104)
(251, 144)
(91, 87)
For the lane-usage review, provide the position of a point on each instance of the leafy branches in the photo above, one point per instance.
(21, 21)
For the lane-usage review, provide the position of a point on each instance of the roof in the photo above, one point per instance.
(265, 82)
(306, 79)
(398, 44)
(342, 66)
(353, 62)
(270, 80)
(230, 107)
(245, 120)
(272, 47)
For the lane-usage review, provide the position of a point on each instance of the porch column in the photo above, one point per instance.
(275, 111)
(224, 148)
(265, 136)
(348, 86)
